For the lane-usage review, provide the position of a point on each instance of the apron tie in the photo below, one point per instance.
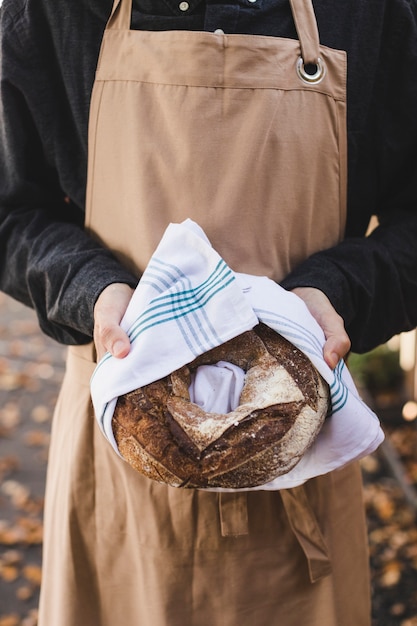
(305, 526)
(233, 508)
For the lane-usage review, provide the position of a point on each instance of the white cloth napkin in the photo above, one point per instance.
(189, 301)
(217, 388)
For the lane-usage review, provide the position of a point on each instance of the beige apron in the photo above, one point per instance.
(225, 130)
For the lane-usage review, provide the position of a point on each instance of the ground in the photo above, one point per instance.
(31, 368)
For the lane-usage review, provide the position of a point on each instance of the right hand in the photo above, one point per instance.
(337, 340)
(108, 312)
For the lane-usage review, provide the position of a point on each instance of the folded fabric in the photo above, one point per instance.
(217, 388)
(189, 301)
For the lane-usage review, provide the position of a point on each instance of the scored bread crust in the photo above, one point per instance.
(282, 407)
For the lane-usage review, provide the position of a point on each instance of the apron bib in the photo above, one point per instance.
(233, 132)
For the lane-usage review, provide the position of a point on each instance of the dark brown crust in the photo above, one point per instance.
(169, 439)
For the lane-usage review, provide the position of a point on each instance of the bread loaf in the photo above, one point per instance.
(283, 404)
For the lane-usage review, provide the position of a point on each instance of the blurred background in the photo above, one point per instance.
(31, 369)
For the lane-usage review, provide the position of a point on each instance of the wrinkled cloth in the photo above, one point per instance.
(190, 301)
(217, 388)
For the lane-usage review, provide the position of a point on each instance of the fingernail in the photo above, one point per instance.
(334, 359)
(118, 347)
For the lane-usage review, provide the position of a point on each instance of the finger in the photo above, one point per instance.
(336, 348)
(337, 343)
(111, 338)
(108, 312)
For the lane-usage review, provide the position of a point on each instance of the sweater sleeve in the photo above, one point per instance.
(372, 280)
(47, 261)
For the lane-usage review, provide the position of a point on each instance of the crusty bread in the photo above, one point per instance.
(283, 404)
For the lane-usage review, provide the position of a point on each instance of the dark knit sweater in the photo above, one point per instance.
(48, 56)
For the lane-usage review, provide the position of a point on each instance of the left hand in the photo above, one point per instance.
(337, 343)
(109, 309)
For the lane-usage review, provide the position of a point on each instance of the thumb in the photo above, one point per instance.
(108, 312)
(336, 347)
(337, 343)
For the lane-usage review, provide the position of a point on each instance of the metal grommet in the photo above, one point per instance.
(314, 78)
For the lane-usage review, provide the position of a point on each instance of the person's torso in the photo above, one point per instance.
(62, 43)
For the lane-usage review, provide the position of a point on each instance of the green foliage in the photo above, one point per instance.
(378, 370)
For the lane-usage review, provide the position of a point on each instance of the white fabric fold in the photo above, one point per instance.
(189, 301)
(217, 388)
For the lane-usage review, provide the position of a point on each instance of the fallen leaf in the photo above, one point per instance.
(8, 465)
(32, 529)
(383, 505)
(10, 620)
(399, 538)
(12, 557)
(33, 574)
(44, 371)
(391, 574)
(11, 535)
(9, 573)
(24, 593)
(370, 464)
(18, 493)
(31, 619)
(10, 414)
(398, 609)
(36, 438)
(41, 414)
(10, 381)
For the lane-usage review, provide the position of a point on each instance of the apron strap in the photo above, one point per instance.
(302, 10)
(120, 16)
(306, 528)
(307, 30)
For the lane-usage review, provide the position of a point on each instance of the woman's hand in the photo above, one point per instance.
(108, 312)
(337, 341)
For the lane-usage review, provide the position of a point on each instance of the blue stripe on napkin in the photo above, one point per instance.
(180, 302)
(308, 343)
(183, 303)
